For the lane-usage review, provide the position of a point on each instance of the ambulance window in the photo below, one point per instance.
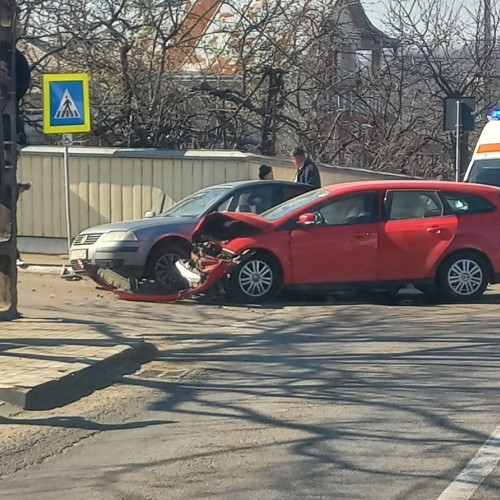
(485, 172)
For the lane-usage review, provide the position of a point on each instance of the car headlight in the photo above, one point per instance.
(118, 236)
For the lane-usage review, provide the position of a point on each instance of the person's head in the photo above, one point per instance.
(298, 156)
(265, 173)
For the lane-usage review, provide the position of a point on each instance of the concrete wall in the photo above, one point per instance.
(108, 185)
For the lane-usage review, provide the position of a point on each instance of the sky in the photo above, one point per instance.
(377, 9)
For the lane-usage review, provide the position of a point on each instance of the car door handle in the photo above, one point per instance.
(362, 234)
(434, 229)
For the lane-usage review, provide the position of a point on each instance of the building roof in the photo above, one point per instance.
(209, 38)
(372, 36)
(211, 35)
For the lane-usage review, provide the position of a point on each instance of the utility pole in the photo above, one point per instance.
(8, 157)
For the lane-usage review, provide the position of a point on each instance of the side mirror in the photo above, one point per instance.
(307, 219)
(150, 215)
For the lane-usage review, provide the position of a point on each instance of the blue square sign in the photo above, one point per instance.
(66, 103)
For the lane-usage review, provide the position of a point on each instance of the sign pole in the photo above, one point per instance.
(66, 110)
(67, 141)
(457, 141)
(458, 115)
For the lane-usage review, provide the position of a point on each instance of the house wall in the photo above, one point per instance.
(108, 185)
(350, 41)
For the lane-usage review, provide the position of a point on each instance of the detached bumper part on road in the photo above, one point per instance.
(192, 275)
(201, 281)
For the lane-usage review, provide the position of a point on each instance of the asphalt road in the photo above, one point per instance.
(331, 400)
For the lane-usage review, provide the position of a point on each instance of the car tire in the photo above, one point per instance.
(463, 276)
(160, 265)
(257, 278)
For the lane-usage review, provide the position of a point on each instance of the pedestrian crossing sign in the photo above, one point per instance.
(66, 103)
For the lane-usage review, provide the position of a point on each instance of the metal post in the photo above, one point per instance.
(487, 49)
(458, 124)
(66, 142)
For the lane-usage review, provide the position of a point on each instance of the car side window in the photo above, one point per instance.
(467, 204)
(252, 199)
(406, 204)
(287, 192)
(356, 209)
(224, 206)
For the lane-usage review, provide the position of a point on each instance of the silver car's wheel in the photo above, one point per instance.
(463, 276)
(161, 265)
(165, 270)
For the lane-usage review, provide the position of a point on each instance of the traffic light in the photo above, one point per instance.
(23, 75)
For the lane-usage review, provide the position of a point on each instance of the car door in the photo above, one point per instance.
(416, 232)
(341, 246)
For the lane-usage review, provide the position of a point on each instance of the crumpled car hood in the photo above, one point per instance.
(225, 226)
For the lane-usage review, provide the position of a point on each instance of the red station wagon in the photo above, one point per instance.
(441, 237)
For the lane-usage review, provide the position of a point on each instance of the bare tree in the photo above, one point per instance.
(161, 78)
(442, 52)
(266, 75)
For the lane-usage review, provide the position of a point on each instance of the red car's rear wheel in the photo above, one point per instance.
(463, 276)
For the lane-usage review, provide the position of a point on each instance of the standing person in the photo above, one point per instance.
(307, 171)
(266, 173)
(21, 188)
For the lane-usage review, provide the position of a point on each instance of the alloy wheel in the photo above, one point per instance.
(165, 270)
(465, 277)
(255, 278)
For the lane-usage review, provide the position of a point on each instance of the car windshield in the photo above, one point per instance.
(485, 172)
(293, 204)
(196, 204)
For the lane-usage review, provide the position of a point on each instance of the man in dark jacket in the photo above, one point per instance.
(307, 171)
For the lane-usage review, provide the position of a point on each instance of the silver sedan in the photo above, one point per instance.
(150, 247)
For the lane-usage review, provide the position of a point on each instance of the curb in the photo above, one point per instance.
(73, 386)
(41, 269)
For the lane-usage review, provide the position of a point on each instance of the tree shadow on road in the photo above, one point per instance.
(373, 378)
(81, 423)
(408, 368)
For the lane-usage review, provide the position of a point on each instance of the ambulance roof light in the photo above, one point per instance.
(495, 114)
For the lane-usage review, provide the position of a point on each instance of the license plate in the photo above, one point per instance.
(78, 254)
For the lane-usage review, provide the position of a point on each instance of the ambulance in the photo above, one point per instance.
(484, 167)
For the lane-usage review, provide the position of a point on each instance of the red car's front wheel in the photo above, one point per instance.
(257, 278)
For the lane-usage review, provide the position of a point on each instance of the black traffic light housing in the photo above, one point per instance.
(23, 75)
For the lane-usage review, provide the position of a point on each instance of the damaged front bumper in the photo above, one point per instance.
(198, 276)
(202, 268)
(209, 264)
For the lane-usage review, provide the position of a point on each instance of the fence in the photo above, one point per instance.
(108, 184)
